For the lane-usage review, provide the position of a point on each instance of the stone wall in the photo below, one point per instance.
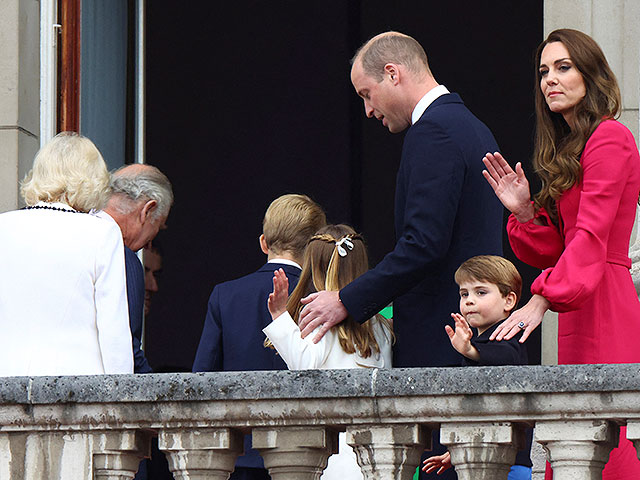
(76, 427)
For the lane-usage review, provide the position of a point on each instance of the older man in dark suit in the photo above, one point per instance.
(232, 337)
(445, 212)
(141, 197)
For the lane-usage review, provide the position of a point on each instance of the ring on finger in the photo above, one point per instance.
(521, 325)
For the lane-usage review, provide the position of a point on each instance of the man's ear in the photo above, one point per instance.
(147, 209)
(392, 73)
(263, 244)
(510, 301)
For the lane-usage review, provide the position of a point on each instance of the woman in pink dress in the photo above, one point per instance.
(577, 229)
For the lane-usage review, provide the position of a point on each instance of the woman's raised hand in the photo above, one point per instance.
(512, 188)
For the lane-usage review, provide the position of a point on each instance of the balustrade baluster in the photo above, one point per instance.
(633, 434)
(482, 451)
(387, 452)
(577, 449)
(199, 454)
(117, 454)
(295, 453)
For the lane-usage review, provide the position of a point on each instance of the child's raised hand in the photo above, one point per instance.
(441, 462)
(277, 302)
(461, 337)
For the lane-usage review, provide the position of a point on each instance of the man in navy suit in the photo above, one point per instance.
(232, 337)
(445, 212)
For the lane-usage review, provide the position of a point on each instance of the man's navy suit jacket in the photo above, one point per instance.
(445, 213)
(232, 337)
(135, 298)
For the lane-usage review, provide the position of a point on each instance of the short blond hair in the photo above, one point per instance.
(392, 47)
(289, 223)
(493, 269)
(68, 169)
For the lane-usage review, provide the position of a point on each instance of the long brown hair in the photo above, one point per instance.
(557, 147)
(325, 269)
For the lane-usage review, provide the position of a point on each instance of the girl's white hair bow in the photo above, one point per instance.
(344, 242)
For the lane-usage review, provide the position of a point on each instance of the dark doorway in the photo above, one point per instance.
(248, 100)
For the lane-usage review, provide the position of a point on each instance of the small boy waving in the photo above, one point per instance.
(490, 288)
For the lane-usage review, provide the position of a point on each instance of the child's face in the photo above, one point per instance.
(482, 304)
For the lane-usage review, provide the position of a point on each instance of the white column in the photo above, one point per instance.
(19, 99)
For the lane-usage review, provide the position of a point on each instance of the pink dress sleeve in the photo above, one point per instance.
(578, 271)
(537, 245)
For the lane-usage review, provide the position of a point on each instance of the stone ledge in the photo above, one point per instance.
(282, 385)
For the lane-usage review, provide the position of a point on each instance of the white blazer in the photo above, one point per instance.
(63, 301)
(301, 353)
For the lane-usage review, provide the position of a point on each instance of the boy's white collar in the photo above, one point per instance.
(285, 261)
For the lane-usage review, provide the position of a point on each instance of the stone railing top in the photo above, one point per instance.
(264, 385)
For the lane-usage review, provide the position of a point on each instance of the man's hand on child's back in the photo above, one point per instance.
(321, 309)
(277, 302)
(461, 337)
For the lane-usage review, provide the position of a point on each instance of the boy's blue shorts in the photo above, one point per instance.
(519, 472)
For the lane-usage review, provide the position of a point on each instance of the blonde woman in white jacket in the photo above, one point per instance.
(63, 304)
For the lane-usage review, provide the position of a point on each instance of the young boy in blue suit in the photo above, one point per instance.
(232, 337)
(490, 288)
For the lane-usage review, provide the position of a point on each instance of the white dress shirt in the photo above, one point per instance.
(427, 100)
(63, 301)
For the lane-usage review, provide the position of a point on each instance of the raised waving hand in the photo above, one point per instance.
(277, 302)
(511, 187)
(461, 337)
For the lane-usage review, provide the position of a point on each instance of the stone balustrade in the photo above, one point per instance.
(100, 426)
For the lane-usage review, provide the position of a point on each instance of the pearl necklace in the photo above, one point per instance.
(48, 207)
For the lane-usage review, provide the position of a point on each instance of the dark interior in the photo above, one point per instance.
(248, 100)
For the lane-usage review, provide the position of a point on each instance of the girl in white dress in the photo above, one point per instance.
(334, 257)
